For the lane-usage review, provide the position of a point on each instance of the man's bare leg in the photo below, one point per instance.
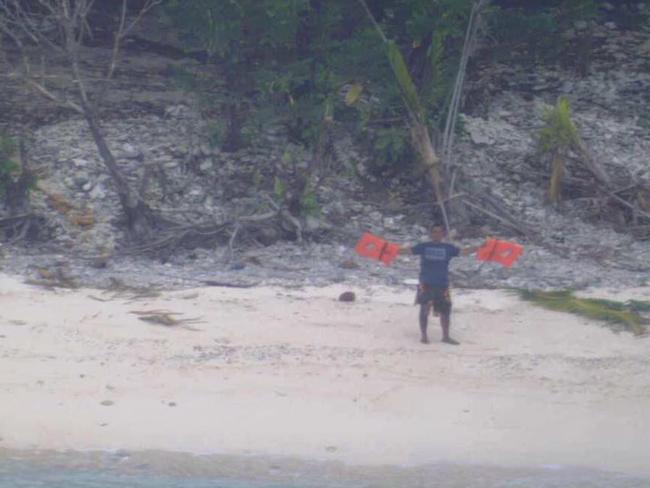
(445, 323)
(424, 312)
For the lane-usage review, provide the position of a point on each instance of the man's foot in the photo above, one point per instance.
(424, 340)
(449, 340)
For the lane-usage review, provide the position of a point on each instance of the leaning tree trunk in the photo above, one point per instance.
(20, 223)
(17, 192)
(428, 157)
(140, 219)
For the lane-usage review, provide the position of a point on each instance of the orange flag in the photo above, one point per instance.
(373, 247)
(503, 252)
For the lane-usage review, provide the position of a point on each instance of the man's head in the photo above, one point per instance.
(437, 233)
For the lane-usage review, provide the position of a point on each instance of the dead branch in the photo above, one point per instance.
(14, 219)
(590, 162)
(62, 102)
(502, 216)
(123, 30)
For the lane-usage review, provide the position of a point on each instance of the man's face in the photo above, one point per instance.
(437, 233)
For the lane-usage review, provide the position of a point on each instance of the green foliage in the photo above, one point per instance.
(536, 34)
(534, 31)
(624, 313)
(8, 167)
(392, 145)
(558, 135)
(409, 92)
(241, 38)
(633, 16)
(292, 63)
(309, 204)
(279, 189)
(236, 30)
(559, 132)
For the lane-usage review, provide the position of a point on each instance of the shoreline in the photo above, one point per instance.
(251, 470)
(295, 373)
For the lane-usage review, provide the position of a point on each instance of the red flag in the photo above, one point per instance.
(389, 253)
(503, 252)
(373, 247)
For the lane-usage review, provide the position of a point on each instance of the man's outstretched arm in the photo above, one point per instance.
(466, 251)
(405, 250)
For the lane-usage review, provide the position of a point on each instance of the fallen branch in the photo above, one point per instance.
(166, 318)
(14, 219)
(228, 284)
(507, 222)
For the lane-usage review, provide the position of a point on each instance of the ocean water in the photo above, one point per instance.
(163, 470)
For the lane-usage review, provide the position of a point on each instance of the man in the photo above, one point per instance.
(433, 290)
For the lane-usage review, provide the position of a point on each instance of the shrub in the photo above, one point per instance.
(8, 167)
(555, 139)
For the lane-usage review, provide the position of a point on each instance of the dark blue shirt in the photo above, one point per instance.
(434, 262)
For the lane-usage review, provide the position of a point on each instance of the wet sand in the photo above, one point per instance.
(297, 374)
(156, 469)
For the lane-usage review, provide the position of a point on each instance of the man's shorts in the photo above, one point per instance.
(438, 297)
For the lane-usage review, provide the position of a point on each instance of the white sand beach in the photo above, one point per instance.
(294, 372)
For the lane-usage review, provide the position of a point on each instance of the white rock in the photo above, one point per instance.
(312, 223)
(97, 192)
(580, 25)
(79, 162)
(130, 152)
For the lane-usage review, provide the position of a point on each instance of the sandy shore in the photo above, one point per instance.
(281, 372)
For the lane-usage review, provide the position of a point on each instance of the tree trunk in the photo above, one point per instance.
(17, 193)
(233, 139)
(422, 142)
(139, 218)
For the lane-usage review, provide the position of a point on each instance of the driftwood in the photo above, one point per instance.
(166, 318)
(228, 284)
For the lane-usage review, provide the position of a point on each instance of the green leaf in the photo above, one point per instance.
(409, 92)
(354, 94)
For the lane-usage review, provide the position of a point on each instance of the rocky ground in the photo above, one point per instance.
(161, 144)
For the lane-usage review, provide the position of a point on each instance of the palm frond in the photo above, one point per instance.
(612, 311)
(559, 132)
(407, 87)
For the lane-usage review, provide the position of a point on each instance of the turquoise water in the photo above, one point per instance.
(27, 475)
(156, 471)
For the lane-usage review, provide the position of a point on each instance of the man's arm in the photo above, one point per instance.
(469, 250)
(405, 250)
